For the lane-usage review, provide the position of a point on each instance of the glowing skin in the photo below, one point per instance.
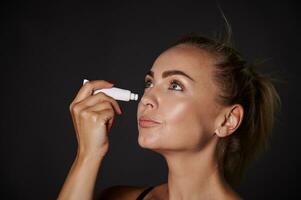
(189, 117)
(186, 111)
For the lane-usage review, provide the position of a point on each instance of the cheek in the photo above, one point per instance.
(182, 122)
(187, 123)
(179, 114)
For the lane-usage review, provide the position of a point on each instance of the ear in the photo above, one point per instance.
(231, 120)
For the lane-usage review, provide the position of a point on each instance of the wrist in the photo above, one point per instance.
(88, 158)
(84, 153)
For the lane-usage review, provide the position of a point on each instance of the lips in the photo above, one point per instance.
(146, 122)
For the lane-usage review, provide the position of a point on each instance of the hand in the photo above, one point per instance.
(93, 117)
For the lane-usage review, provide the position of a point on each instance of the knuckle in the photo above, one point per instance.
(89, 115)
(84, 114)
(105, 96)
(93, 116)
(109, 115)
(71, 106)
(106, 104)
(110, 112)
(107, 112)
(75, 109)
(102, 95)
(101, 120)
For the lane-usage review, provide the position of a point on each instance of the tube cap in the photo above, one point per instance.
(134, 96)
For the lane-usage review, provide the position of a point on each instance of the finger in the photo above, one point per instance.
(109, 121)
(99, 98)
(101, 106)
(110, 124)
(88, 88)
(105, 115)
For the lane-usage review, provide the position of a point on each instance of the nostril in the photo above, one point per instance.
(150, 104)
(148, 100)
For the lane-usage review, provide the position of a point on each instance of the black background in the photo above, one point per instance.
(48, 48)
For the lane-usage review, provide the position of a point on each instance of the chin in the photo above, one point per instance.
(153, 142)
(148, 140)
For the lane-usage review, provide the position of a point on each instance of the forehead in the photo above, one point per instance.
(189, 59)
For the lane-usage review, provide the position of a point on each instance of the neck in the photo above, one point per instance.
(194, 175)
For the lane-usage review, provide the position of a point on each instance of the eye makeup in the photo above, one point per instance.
(171, 82)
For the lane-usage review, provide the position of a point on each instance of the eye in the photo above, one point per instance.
(176, 85)
(147, 81)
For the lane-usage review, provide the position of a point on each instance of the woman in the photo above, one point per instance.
(204, 110)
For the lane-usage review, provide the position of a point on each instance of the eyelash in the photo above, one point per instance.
(171, 82)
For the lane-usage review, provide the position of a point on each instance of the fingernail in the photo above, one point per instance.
(85, 81)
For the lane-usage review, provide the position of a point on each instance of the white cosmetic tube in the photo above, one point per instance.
(117, 93)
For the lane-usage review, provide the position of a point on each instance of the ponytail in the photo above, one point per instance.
(260, 100)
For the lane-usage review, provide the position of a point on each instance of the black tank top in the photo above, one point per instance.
(144, 193)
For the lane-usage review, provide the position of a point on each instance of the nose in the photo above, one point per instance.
(149, 100)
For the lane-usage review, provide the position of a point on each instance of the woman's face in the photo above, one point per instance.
(184, 106)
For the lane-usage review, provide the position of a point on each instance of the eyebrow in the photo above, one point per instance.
(170, 73)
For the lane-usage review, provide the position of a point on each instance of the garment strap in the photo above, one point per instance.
(144, 193)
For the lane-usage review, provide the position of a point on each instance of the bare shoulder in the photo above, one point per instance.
(120, 192)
